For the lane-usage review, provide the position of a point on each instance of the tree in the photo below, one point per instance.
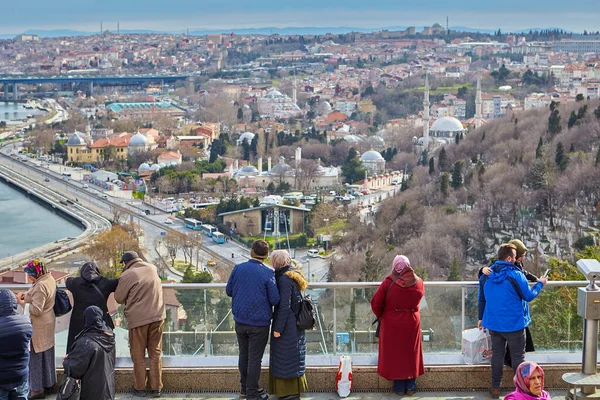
(246, 150)
(462, 92)
(597, 112)
(560, 158)
(554, 122)
(457, 178)
(442, 160)
(572, 148)
(500, 75)
(431, 166)
(597, 162)
(444, 183)
(240, 114)
(538, 150)
(108, 247)
(572, 120)
(454, 273)
(579, 97)
(352, 168)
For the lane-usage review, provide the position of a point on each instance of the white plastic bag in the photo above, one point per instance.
(343, 380)
(476, 346)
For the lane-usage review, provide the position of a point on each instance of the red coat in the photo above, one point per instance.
(400, 344)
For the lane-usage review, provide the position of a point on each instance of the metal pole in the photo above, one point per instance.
(590, 352)
(334, 325)
(462, 305)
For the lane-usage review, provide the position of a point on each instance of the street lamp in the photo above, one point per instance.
(326, 220)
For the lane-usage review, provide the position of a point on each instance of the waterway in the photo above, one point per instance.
(15, 113)
(26, 224)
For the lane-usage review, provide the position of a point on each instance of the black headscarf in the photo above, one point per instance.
(90, 272)
(93, 322)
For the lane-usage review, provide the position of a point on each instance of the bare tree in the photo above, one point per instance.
(306, 173)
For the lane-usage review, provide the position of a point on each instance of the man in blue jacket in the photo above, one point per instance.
(503, 310)
(15, 336)
(254, 292)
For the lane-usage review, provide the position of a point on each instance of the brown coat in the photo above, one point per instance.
(140, 289)
(41, 310)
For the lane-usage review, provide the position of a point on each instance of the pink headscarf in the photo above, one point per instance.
(524, 371)
(280, 258)
(400, 262)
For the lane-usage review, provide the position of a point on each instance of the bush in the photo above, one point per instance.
(582, 242)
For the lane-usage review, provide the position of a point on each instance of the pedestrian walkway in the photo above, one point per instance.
(555, 395)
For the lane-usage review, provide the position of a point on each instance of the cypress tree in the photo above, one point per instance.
(538, 150)
(431, 166)
(442, 160)
(572, 148)
(560, 159)
(597, 157)
(444, 183)
(554, 123)
(457, 179)
(572, 120)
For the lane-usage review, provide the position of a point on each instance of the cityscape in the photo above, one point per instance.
(344, 144)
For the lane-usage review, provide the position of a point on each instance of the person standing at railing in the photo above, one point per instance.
(92, 357)
(40, 297)
(140, 289)
(503, 310)
(288, 342)
(89, 289)
(15, 339)
(521, 253)
(529, 383)
(253, 293)
(396, 304)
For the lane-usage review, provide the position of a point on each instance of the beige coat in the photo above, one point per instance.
(41, 310)
(140, 289)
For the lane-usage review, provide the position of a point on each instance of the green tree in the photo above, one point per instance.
(572, 120)
(597, 112)
(240, 114)
(501, 75)
(352, 168)
(442, 160)
(462, 92)
(454, 274)
(554, 122)
(538, 150)
(431, 166)
(581, 112)
(271, 188)
(560, 158)
(572, 148)
(444, 184)
(457, 178)
(245, 150)
(579, 97)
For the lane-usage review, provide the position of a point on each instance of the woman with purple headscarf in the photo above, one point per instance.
(529, 383)
(396, 304)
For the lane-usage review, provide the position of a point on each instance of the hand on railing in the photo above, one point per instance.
(543, 280)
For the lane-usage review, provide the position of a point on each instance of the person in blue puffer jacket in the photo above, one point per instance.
(253, 290)
(15, 337)
(503, 310)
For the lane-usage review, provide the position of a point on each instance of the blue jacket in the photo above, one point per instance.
(15, 336)
(253, 290)
(503, 298)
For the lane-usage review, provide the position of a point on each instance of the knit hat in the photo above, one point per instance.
(128, 256)
(260, 249)
(521, 249)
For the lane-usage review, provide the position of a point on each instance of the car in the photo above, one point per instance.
(168, 221)
(104, 196)
(312, 253)
(211, 263)
(366, 191)
(78, 169)
(46, 179)
(85, 186)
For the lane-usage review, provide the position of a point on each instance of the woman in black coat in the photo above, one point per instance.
(92, 358)
(85, 294)
(288, 342)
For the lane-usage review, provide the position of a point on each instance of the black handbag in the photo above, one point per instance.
(70, 388)
(62, 304)
(376, 320)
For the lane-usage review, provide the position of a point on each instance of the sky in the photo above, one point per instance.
(178, 15)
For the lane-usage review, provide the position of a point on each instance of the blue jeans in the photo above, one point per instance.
(15, 392)
(402, 385)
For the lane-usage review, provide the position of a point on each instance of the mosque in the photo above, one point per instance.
(81, 148)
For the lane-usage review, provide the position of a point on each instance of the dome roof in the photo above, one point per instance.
(144, 167)
(280, 168)
(248, 170)
(371, 155)
(247, 136)
(376, 141)
(75, 140)
(352, 138)
(138, 139)
(154, 167)
(274, 94)
(447, 124)
(325, 107)
(161, 165)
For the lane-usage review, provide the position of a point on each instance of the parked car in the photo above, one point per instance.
(313, 253)
(168, 221)
(46, 179)
(85, 186)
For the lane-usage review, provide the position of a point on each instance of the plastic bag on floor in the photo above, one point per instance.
(343, 380)
(476, 346)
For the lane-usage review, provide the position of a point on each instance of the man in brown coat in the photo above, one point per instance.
(140, 290)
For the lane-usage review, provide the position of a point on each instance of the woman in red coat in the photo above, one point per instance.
(400, 346)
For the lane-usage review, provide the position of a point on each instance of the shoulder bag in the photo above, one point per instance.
(376, 320)
(70, 388)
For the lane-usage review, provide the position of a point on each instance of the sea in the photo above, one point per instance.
(15, 113)
(26, 224)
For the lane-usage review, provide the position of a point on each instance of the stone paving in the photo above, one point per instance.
(555, 395)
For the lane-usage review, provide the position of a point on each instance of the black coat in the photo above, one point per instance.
(92, 360)
(15, 336)
(84, 295)
(288, 352)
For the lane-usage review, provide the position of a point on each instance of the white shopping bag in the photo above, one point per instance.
(476, 346)
(343, 380)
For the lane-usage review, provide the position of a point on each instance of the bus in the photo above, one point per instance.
(200, 206)
(208, 230)
(218, 237)
(192, 223)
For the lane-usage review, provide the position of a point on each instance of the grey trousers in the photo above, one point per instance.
(516, 345)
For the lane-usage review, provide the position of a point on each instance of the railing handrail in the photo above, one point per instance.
(327, 285)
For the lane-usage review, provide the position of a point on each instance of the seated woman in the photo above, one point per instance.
(529, 383)
(92, 357)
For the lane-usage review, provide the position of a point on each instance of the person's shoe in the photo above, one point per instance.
(138, 393)
(495, 393)
(261, 391)
(156, 393)
(41, 395)
(263, 396)
(411, 391)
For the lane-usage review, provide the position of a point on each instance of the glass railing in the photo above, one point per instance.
(199, 327)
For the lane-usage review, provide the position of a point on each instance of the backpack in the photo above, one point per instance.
(62, 304)
(307, 316)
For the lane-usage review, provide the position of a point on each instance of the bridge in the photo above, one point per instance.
(89, 79)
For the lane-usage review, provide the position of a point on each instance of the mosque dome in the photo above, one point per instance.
(138, 140)
(154, 167)
(274, 94)
(325, 108)
(247, 136)
(144, 167)
(447, 124)
(352, 139)
(248, 170)
(371, 155)
(280, 168)
(75, 140)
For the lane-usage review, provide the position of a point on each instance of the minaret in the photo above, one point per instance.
(478, 104)
(426, 113)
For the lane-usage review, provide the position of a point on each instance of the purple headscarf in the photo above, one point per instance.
(524, 372)
(36, 268)
(400, 263)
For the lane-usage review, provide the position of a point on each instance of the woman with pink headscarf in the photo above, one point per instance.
(529, 383)
(396, 304)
